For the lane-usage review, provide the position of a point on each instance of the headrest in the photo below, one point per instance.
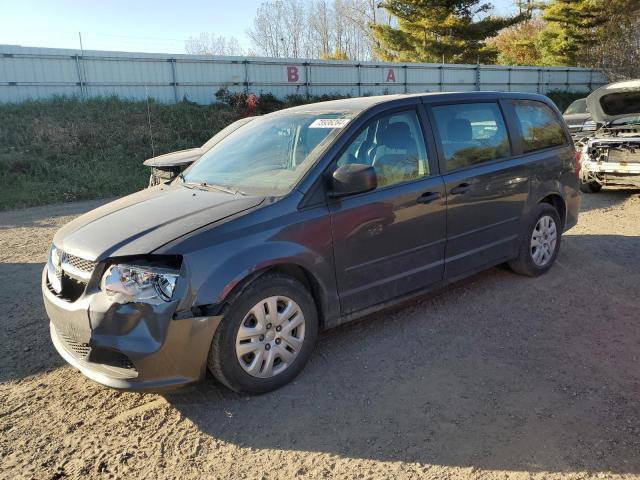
(459, 130)
(397, 136)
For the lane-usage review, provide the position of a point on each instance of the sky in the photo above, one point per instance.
(134, 25)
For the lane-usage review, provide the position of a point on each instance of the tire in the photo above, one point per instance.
(251, 372)
(533, 261)
(590, 187)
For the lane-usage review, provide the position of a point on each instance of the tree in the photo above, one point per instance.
(518, 44)
(572, 29)
(354, 19)
(209, 44)
(316, 28)
(278, 28)
(618, 47)
(337, 54)
(435, 30)
(320, 29)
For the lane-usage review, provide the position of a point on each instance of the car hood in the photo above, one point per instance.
(141, 223)
(175, 159)
(615, 101)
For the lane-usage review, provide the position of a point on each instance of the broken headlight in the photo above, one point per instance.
(133, 283)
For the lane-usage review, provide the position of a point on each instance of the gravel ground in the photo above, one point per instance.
(499, 376)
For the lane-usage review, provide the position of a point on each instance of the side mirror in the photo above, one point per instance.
(353, 178)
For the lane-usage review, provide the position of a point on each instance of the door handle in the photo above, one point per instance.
(460, 189)
(428, 197)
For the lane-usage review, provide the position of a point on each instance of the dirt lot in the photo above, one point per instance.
(498, 377)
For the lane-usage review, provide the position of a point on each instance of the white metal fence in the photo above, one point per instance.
(32, 73)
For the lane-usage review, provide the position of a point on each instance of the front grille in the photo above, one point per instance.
(111, 358)
(80, 350)
(81, 264)
(72, 274)
(84, 351)
(72, 289)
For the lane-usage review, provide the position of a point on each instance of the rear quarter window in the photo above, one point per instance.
(539, 126)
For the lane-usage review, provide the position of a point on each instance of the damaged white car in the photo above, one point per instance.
(611, 156)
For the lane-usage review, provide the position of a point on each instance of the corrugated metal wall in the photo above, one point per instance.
(31, 73)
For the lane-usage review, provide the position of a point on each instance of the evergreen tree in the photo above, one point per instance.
(573, 27)
(435, 30)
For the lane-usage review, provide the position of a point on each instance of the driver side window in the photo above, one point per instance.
(393, 145)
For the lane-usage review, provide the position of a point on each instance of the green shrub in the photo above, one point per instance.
(563, 99)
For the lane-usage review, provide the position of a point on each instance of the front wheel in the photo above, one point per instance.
(540, 242)
(266, 335)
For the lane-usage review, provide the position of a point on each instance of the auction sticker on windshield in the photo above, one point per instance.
(329, 123)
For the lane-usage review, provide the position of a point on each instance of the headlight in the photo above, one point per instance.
(589, 126)
(55, 255)
(54, 271)
(131, 283)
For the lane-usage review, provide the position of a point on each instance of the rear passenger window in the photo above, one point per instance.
(471, 133)
(539, 125)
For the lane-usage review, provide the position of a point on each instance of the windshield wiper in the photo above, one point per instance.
(222, 189)
(206, 185)
(186, 183)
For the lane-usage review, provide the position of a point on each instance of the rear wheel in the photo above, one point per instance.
(266, 335)
(590, 187)
(540, 242)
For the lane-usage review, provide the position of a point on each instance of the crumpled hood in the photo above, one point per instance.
(174, 159)
(140, 223)
(614, 101)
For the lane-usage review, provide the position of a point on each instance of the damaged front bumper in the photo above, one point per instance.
(611, 173)
(132, 346)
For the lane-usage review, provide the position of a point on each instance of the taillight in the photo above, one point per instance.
(578, 162)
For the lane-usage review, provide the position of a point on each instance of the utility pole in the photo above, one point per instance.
(80, 64)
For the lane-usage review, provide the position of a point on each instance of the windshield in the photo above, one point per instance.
(269, 155)
(579, 106)
(228, 130)
(631, 120)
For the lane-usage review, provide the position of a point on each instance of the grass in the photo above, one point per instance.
(64, 149)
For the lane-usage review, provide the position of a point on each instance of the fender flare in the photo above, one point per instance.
(246, 265)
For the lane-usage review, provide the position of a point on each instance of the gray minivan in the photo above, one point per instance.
(301, 220)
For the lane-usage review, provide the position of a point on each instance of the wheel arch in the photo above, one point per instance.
(288, 268)
(557, 202)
